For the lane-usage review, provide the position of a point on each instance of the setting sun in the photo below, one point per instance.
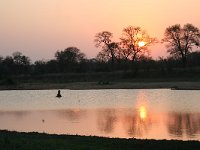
(141, 43)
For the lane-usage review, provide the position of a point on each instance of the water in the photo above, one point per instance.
(145, 114)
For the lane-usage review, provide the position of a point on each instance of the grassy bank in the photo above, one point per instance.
(103, 80)
(36, 141)
(182, 85)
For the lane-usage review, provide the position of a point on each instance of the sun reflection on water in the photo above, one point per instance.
(143, 112)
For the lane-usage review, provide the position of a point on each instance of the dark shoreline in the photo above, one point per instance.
(21, 140)
(174, 85)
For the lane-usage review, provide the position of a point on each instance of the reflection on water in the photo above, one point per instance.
(16, 114)
(184, 124)
(106, 122)
(72, 114)
(142, 112)
(138, 123)
(151, 114)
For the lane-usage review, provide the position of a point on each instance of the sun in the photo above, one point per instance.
(141, 43)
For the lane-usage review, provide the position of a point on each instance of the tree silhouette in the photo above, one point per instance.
(1, 66)
(103, 40)
(181, 40)
(8, 65)
(20, 59)
(40, 67)
(102, 57)
(130, 42)
(68, 58)
(21, 62)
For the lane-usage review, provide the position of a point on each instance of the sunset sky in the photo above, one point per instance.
(38, 28)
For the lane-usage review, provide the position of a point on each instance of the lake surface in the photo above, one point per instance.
(132, 113)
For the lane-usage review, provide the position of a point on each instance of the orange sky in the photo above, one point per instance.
(39, 28)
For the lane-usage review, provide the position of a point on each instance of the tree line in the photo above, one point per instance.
(130, 53)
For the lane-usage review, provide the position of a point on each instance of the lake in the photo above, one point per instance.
(131, 113)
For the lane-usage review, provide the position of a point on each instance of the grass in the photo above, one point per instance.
(37, 141)
(187, 85)
(187, 79)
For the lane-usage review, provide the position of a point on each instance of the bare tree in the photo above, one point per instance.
(181, 40)
(103, 40)
(135, 41)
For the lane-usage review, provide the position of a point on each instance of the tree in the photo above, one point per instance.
(69, 57)
(1, 66)
(52, 66)
(20, 59)
(103, 40)
(181, 40)
(1, 59)
(134, 42)
(102, 57)
(194, 58)
(21, 62)
(39, 67)
(8, 65)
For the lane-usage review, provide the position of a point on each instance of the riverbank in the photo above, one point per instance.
(174, 85)
(37, 141)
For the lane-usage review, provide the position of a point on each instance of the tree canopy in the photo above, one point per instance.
(104, 40)
(135, 42)
(181, 40)
(69, 57)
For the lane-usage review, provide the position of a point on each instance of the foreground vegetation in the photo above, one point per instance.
(36, 141)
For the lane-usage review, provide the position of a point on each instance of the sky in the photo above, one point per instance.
(38, 28)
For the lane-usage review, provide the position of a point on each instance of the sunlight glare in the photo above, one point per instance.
(141, 43)
(143, 112)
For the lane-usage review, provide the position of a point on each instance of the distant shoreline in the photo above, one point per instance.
(174, 85)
